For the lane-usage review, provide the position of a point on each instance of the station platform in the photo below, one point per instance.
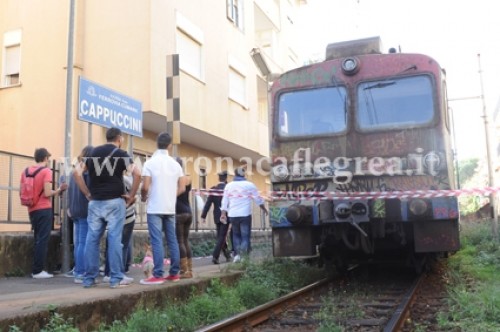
(28, 303)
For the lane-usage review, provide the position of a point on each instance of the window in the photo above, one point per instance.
(312, 112)
(235, 12)
(396, 103)
(237, 87)
(202, 179)
(12, 58)
(189, 54)
(190, 39)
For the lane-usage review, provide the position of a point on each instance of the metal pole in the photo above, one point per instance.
(455, 153)
(488, 154)
(67, 140)
(89, 133)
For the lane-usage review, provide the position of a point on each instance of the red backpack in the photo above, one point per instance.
(26, 191)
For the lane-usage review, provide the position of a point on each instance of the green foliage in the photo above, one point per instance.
(475, 288)
(142, 320)
(57, 323)
(470, 176)
(467, 169)
(469, 204)
(203, 249)
(253, 294)
(282, 275)
(16, 272)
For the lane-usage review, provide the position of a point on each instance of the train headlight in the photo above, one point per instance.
(350, 66)
(280, 172)
(343, 210)
(298, 214)
(418, 206)
(359, 209)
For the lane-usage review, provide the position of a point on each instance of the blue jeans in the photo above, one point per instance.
(101, 213)
(126, 238)
(80, 229)
(242, 227)
(157, 223)
(41, 222)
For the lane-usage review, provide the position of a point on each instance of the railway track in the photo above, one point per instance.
(368, 299)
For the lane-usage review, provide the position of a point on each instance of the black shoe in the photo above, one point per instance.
(215, 260)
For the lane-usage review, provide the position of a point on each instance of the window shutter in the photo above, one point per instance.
(12, 60)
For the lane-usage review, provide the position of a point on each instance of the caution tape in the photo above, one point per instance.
(328, 195)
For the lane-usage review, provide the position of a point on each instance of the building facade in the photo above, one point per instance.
(125, 46)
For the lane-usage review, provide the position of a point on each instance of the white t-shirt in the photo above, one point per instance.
(165, 172)
(238, 196)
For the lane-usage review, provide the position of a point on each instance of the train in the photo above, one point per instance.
(361, 158)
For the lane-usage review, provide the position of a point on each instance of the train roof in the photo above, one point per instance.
(371, 45)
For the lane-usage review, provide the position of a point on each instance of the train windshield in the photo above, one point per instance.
(312, 112)
(395, 103)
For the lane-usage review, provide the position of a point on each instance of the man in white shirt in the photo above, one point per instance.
(160, 187)
(237, 206)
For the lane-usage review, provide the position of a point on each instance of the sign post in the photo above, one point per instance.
(173, 100)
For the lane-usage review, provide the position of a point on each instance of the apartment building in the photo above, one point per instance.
(126, 46)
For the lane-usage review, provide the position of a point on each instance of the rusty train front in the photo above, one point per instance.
(361, 150)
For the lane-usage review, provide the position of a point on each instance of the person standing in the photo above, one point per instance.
(107, 205)
(40, 212)
(237, 206)
(215, 199)
(183, 220)
(77, 210)
(161, 175)
(128, 228)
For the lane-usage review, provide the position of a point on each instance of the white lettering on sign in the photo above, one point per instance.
(117, 119)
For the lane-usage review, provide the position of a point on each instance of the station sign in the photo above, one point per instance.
(108, 108)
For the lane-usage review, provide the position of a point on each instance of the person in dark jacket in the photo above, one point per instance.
(222, 228)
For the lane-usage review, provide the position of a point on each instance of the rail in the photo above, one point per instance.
(11, 210)
(256, 316)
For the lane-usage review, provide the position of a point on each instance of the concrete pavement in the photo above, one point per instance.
(28, 303)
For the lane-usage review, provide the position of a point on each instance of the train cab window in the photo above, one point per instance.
(395, 104)
(312, 112)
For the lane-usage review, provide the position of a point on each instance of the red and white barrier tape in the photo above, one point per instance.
(324, 195)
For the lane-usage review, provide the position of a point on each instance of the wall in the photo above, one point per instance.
(16, 249)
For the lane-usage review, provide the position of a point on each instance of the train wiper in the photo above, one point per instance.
(379, 85)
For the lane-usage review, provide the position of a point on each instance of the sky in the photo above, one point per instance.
(452, 32)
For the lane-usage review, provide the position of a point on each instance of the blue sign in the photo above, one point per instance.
(108, 108)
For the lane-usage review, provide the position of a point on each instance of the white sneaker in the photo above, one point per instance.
(107, 279)
(42, 275)
(126, 281)
(236, 259)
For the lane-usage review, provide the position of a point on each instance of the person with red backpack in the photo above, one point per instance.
(35, 193)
